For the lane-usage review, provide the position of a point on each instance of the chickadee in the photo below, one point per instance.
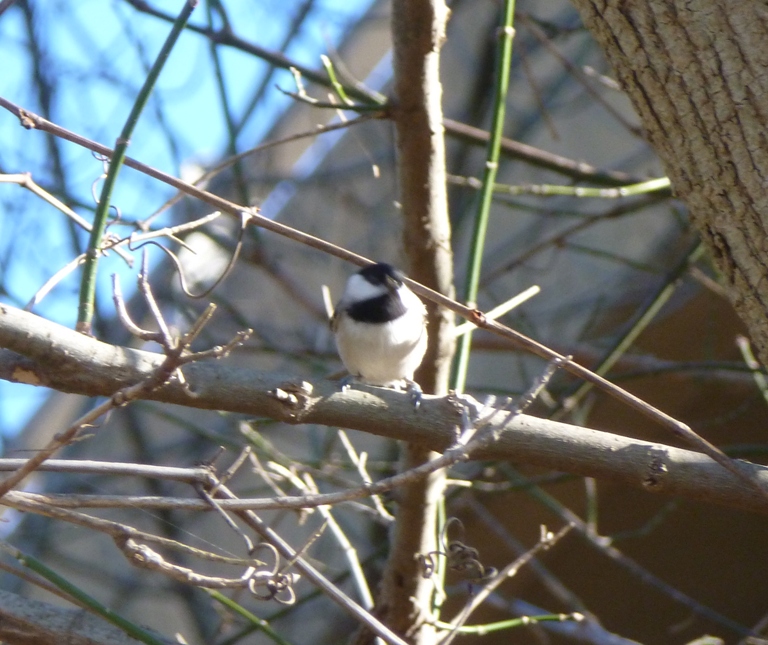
(380, 328)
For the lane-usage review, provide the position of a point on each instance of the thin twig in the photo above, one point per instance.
(580, 76)
(124, 316)
(164, 335)
(25, 180)
(355, 568)
(57, 277)
(359, 461)
(499, 310)
(306, 569)
(214, 504)
(679, 429)
(37, 504)
(170, 231)
(82, 466)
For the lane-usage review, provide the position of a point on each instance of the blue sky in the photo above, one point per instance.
(95, 55)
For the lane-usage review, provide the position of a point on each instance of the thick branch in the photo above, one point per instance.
(695, 72)
(60, 358)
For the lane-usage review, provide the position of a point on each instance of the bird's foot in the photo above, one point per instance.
(415, 392)
(411, 387)
(346, 382)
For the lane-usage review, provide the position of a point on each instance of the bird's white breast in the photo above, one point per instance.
(384, 353)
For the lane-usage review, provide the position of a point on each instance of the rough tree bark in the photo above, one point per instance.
(695, 71)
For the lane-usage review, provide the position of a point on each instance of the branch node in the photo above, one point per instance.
(292, 394)
(657, 471)
(26, 119)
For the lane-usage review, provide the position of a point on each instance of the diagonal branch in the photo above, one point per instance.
(679, 429)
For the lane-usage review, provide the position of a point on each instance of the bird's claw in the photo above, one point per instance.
(346, 382)
(411, 387)
(415, 392)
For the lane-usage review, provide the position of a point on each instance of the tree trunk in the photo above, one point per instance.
(696, 74)
(418, 32)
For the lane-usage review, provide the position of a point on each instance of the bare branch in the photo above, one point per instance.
(315, 576)
(190, 475)
(60, 358)
(681, 430)
(25, 180)
(163, 372)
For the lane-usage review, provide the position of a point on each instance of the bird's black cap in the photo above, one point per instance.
(382, 273)
(386, 307)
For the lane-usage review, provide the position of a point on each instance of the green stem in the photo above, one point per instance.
(337, 87)
(258, 623)
(130, 628)
(88, 283)
(506, 34)
(658, 185)
(512, 623)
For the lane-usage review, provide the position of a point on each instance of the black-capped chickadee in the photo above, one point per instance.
(380, 328)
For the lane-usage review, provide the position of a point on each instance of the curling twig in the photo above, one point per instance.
(25, 180)
(306, 569)
(546, 541)
(177, 354)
